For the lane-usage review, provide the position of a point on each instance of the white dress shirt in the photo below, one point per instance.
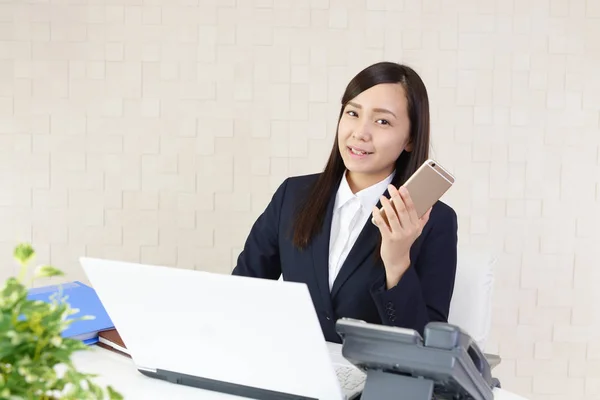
(350, 213)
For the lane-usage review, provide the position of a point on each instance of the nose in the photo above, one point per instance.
(361, 131)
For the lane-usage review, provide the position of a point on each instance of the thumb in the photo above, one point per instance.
(425, 217)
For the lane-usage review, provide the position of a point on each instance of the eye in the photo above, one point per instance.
(383, 121)
(352, 113)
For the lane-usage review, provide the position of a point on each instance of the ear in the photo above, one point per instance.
(409, 146)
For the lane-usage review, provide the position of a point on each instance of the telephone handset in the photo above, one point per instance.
(448, 337)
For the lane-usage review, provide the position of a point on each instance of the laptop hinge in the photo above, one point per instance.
(153, 370)
(226, 387)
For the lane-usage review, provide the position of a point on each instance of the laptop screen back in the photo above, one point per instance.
(248, 331)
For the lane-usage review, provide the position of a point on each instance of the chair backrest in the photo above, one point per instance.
(471, 305)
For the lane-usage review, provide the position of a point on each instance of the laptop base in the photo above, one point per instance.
(221, 386)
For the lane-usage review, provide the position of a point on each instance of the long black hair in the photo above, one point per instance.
(309, 219)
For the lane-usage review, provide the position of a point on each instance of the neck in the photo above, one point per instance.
(358, 181)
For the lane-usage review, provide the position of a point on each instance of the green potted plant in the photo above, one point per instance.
(35, 360)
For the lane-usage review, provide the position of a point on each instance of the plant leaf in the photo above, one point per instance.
(24, 253)
(32, 349)
(113, 394)
(47, 271)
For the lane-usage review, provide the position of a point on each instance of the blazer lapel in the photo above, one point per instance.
(364, 246)
(320, 256)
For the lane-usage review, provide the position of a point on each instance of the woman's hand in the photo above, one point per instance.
(400, 227)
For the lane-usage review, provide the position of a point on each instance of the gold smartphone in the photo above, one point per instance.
(427, 185)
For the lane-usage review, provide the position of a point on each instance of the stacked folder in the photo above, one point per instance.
(84, 298)
(111, 340)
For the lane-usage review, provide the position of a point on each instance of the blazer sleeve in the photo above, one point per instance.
(424, 292)
(260, 256)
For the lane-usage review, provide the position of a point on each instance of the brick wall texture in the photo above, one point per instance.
(157, 130)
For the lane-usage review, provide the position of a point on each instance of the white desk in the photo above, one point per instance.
(119, 372)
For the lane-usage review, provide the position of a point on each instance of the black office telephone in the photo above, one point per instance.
(400, 364)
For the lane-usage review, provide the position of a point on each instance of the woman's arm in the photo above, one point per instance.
(260, 255)
(424, 291)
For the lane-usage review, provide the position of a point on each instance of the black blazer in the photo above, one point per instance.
(359, 291)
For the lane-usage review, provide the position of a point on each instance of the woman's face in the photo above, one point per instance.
(373, 132)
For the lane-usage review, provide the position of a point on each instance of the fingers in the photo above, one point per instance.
(425, 218)
(410, 206)
(400, 206)
(390, 213)
(379, 222)
(398, 214)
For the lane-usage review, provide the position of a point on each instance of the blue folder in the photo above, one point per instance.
(85, 299)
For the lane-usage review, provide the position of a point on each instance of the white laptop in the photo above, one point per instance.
(245, 336)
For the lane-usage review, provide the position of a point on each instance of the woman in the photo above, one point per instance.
(327, 230)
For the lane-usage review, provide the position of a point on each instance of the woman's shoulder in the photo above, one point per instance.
(300, 183)
(304, 179)
(443, 210)
(443, 217)
(293, 188)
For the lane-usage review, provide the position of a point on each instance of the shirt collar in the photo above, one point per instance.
(368, 197)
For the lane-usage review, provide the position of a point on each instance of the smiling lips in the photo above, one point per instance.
(358, 152)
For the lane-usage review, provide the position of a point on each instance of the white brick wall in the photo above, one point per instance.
(156, 131)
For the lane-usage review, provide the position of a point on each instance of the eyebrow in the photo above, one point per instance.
(382, 110)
